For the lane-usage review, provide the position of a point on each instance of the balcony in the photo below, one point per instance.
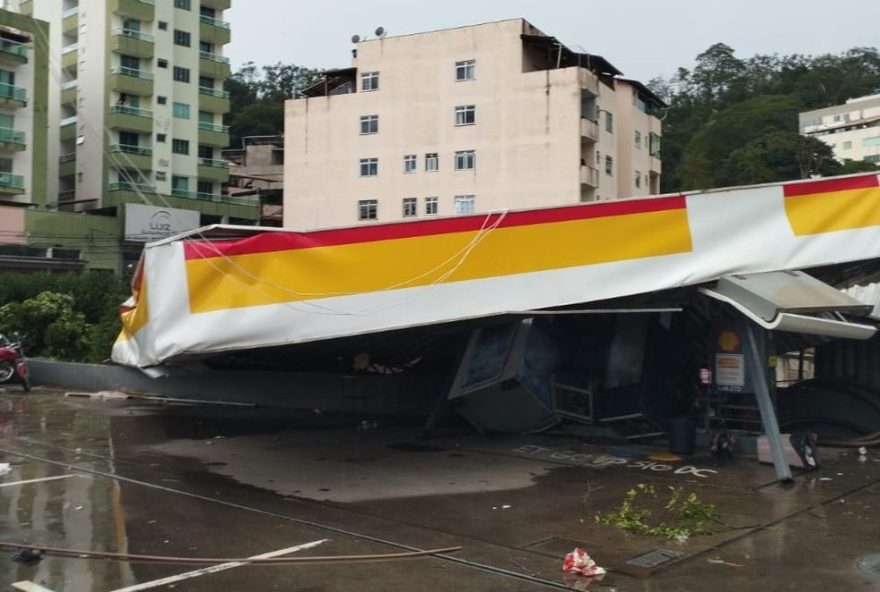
(133, 43)
(217, 4)
(11, 184)
(213, 135)
(12, 140)
(13, 51)
(26, 7)
(213, 65)
(12, 96)
(70, 20)
(207, 203)
(130, 118)
(213, 100)
(125, 156)
(67, 164)
(213, 170)
(589, 130)
(68, 128)
(589, 176)
(68, 92)
(142, 10)
(69, 54)
(133, 81)
(212, 30)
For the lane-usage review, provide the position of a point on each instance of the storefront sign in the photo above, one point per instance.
(148, 223)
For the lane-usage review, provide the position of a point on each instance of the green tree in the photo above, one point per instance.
(49, 325)
(779, 156)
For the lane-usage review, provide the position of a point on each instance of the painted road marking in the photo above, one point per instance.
(215, 568)
(44, 479)
(29, 587)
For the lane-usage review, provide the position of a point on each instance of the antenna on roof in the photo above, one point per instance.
(380, 32)
(355, 38)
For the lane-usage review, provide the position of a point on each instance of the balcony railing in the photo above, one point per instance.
(7, 91)
(214, 57)
(72, 11)
(130, 149)
(69, 120)
(209, 20)
(589, 128)
(213, 127)
(12, 181)
(131, 186)
(69, 157)
(11, 136)
(126, 110)
(133, 72)
(213, 162)
(134, 34)
(214, 92)
(69, 48)
(69, 84)
(216, 197)
(589, 176)
(13, 47)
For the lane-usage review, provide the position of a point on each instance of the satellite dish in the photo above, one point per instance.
(380, 32)
(355, 38)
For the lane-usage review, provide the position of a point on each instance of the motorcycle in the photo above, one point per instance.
(13, 366)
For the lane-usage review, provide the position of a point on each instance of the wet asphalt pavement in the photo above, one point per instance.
(138, 477)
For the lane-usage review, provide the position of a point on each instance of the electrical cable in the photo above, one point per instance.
(88, 554)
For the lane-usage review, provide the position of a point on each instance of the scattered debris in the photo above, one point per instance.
(717, 561)
(5, 469)
(687, 515)
(578, 562)
(27, 556)
(665, 457)
(100, 395)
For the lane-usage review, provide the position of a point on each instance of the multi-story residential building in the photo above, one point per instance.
(135, 107)
(257, 169)
(852, 129)
(483, 118)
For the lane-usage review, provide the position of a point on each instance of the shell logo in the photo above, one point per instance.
(729, 341)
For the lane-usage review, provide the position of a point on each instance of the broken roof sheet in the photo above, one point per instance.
(223, 289)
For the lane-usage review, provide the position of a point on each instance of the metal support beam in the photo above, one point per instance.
(765, 403)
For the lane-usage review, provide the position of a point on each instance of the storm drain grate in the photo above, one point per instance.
(870, 565)
(654, 558)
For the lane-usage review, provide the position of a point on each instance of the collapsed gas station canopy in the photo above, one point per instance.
(220, 288)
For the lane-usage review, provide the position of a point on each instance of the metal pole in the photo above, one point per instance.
(765, 404)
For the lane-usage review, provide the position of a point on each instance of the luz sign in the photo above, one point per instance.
(148, 223)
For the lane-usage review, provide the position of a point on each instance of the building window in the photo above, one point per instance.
(465, 160)
(180, 110)
(370, 81)
(161, 138)
(464, 204)
(184, 4)
(409, 163)
(410, 207)
(368, 209)
(162, 63)
(465, 69)
(432, 162)
(638, 140)
(181, 38)
(872, 158)
(369, 167)
(431, 206)
(162, 100)
(465, 115)
(369, 124)
(163, 25)
(181, 74)
(847, 145)
(654, 145)
(609, 165)
(179, 146)
(638, 180)
(609, 122)
(161, 176)
(179, 185)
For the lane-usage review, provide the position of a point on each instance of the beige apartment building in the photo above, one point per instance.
(489, 117)
(852, 129)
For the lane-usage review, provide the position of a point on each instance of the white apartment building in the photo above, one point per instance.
(852, 129)
(482, 118)
(136, 105)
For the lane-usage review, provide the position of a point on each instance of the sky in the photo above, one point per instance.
(643, 38)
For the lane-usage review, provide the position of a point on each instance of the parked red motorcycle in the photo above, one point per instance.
(13, 366)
